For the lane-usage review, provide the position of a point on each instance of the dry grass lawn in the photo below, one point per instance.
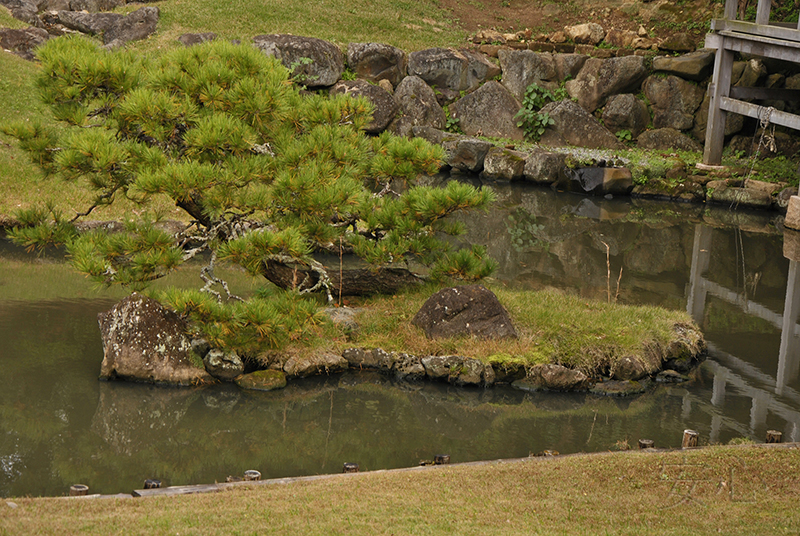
(719, 490)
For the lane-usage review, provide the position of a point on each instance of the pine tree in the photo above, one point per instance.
(268, 175)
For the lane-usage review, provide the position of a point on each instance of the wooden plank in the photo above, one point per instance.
(761, 46)
(731, 6)
(715, 130)
(764, 93)
(750, 28)
(777, 117)
(762, 12)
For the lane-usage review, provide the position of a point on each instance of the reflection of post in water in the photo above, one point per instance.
(701, 254)
(789, 355)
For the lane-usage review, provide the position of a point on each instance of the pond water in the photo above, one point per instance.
(60, 426)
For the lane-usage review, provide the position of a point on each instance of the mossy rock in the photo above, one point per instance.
(262, 380)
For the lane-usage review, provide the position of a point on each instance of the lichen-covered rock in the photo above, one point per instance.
(144, 341)
(374, 358)
(316, 63)
(578, 127)
(490, 111)
(544, 167)
(626, 112)
(89, 23)
(502, 164)
(440, 367)
(447, 68)
(667, 139)
(407, 367)
(674, 101)
(375, 62)
(466, 310)
(522, 68)
(599, 79)
(321, 363)
(133, 27)
(629, 368)
(262, 380)
(385, 106)
(554, 378)
(223, 365)
(417, 107)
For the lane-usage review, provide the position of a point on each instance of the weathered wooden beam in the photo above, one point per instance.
(762, 30)
(762, 12)
(731, 9)
(755, 111)
(720, 88)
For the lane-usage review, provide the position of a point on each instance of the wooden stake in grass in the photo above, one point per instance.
(689, 439)
(774, 436)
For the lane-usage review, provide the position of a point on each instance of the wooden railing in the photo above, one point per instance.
(759, 38)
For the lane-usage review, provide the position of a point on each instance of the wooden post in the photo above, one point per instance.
(689, 439)
(441, 459)
(252, 475)
(350, 468)
(646, 444)
(152, 484)
(78, 490)
(774, 436)
(720, 87)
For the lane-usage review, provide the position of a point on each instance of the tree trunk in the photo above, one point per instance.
(353, 282)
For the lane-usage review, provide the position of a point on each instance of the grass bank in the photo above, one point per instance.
(720, 490)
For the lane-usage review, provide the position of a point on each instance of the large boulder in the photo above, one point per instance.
(466, 310)
(417, 106)
(568, 65)
(733, 123)
(626, 112)
(599, 79)
(133, 27)
(674, 101)
(315, 63)
(375, 62)
(522, 68)
(447, 68)
(544, 167)
(578, 127)
(466, 154)
(665, 139)
(89, 23)
(144, 341)
(23, 42)
(695, 66)
(490, 111)
(385, 105)
(503, 164)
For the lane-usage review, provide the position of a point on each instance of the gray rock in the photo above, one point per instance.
(557, 378)
(466, 310)
(190, 39)
(326, 60)
(568, 65)
(375, 62)
(343, 317)
(223, 365)
(434, 135)
(322, 363)
(417, 107)
(620, 38)
(599, 79)
(578, 127)
(470, 373)
(629, 368)
(667, 139)
(144, 341)
(200, 347)
(133, 27)
(441, 367)
(89, 23)
(696, 66)
(671, 376)
(407, 367)
(522, 68)
(503, 164)
(23, 42)
(490, 111)
(385, 105)
(782, 199)
(262, 380)
(544, 167)
(447, 68)
(674, 101)
(374, 358)
(733, 124)
(719, 192)
(466, 154)
(752, 74)
(626, 112)
(597, 181)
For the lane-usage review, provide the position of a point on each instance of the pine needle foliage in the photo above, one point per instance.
(264, 171)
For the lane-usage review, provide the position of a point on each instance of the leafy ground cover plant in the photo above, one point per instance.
(268, 177)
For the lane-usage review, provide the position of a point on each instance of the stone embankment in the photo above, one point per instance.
(624, 89)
